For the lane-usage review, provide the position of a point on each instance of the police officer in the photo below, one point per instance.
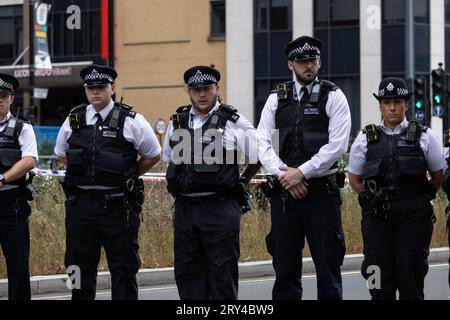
(18, 155)
(388, 168)
(312, 117)
(446, 187)
(201, 148)
(100, 144)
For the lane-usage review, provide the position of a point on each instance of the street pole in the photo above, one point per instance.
(409, 48)
(32, 105)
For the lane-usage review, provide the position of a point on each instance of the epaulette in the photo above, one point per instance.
(229, 112)
(182, 108)
(77, 116)
(413, 132)
(78, 108)
(447, 139)
(23, 119)
(14, 126)
(371, 131)
(284, 90)
(177, 117)
(331, 85)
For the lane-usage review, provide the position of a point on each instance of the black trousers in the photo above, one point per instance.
(398, 247)
(206, 246)
(89, 226)
(15, 243)
(318, 218)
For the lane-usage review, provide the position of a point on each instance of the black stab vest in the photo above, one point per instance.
(394, 163)
(99, 154)
(10, 152)
(218, 173)
(303, 127)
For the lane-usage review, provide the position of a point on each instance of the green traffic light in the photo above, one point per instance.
(437, 99)
(419, 104)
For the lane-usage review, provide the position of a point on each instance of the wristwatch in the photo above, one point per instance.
(2, 179)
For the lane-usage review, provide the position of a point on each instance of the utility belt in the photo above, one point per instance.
(134, 190)
(240, 193)
(205, 199)
(395, 195)
(377, 199)
(25, 191)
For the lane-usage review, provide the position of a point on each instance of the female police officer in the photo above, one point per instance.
(388, 168)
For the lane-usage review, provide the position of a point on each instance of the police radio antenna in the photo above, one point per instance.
(18, 112)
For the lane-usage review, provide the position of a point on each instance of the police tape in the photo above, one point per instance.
(148, 177)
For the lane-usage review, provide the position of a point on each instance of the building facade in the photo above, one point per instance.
(70, 50)
(156, 41)
(364, 41)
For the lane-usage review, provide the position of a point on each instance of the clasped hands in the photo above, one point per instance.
(294, 182)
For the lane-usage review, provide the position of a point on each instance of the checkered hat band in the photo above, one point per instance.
(305, 49)
(6, 84)
(94, 75)
(200, 77)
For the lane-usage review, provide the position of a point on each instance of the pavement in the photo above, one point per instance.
(42, 285)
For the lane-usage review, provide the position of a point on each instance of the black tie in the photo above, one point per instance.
(99, 119)
(305, 96)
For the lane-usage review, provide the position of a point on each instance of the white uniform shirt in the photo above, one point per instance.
(337, 110)
(137, 131)
(429, 143)
(239, 135)
(27, 142)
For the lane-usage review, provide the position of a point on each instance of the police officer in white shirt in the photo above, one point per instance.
(446, 187)
(313, 120)
(18, 155)
(388, 167)
(100, 143)
(208, 189)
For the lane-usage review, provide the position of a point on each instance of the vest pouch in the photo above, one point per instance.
(313, 141)
(371, 168)
(76, 164)
(9, 157)
(110, 162)
(411, 160)
(204, 174)
(412, 165)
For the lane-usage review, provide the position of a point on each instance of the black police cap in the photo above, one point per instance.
(303, 48)
(201, 76)
(8, 84)
(95, 75)
(393, 88)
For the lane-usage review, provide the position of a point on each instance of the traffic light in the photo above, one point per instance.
(420, 99)
(439, 91)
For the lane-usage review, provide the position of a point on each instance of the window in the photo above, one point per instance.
(336, 24)
(393, 11)
(278, 18)
(421, 11)
(336, 13)
(273, 31)
(447, 12)
(11, 37)
(393, 39)
(218, 24)
(393, 36)
(74, 45)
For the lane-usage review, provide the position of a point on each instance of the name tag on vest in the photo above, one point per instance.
(311, 111)
(109, 134)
